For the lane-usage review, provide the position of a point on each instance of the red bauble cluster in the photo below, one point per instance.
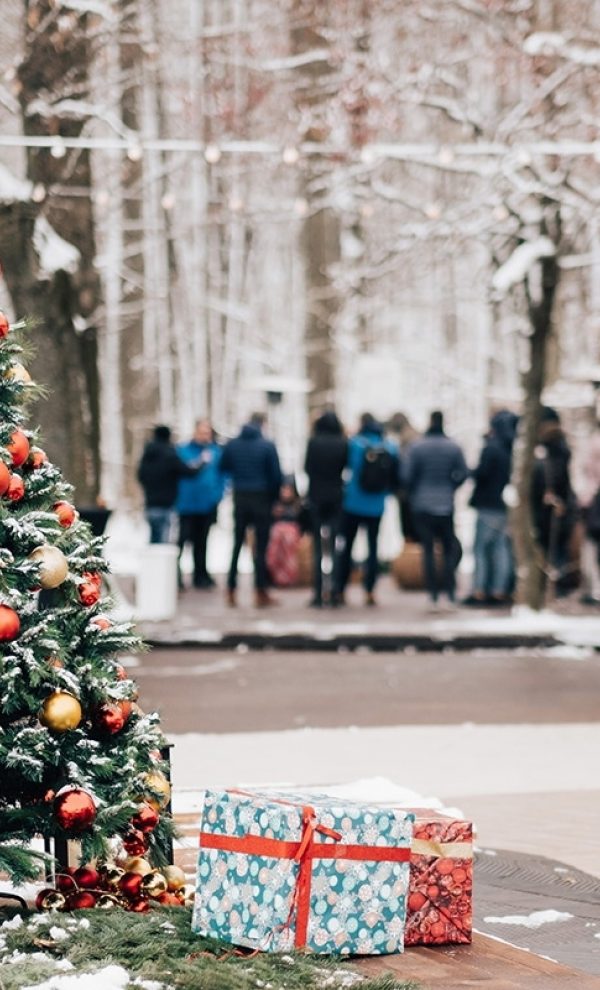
(4, 325)
(111, 717)
(89, 589)
(10, 624)
(111, 886)
(18, 447)
(16, 488)
(74, 809)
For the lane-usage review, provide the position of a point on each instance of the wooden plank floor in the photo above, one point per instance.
(486, 963)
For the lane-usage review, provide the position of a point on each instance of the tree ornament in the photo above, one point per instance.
(174, 876)
(189, 894)
(53, 565)
(66, 513)
(61, 712)
(135, 864)
(81, 900)
(130, 884)
(18, 446)
(146, 819)
(153, 884)
(157, 783)
(18, 373)
(36, 458)
(140, 906)
(112, 875)
(10, 624)
(169, 900)
(86, 876)
(109, 718)
(5, 477)
(4, 325)
(135, 843)
(16, 488)
(89, 594)
(65, 883)
(92, 577)
(50, 900)
(107, 901)
(74, 809)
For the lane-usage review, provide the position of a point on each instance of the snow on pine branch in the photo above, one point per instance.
(12, 189)
(521, 261)
(54, 253)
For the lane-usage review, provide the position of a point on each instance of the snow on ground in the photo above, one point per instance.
(109, 978)
(534, 920)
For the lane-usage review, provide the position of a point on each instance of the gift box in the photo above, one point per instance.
(278, 872)
(441, 880)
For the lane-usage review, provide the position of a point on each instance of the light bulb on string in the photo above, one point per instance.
(236, 204)
(212, 153)
(135, 153)
(167, 201)
(290, 155)
(58, 149)
(300, 207)
(38, 193)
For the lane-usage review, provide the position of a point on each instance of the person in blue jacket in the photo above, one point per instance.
(373, 472)
(198, 498)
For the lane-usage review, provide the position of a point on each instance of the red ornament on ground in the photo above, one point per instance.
(40, 897)
(10, 624)
(4, 325)
(16, 488)
(169, 899)
(86, 876)
(130, 884)
(18, 447)
(66, 513)
(81, 900)
(135, 843)
(146, 819)
(140, 906)
(74, 809)
(110, 718)
(5, 477)
(65, 883)
(89, 594)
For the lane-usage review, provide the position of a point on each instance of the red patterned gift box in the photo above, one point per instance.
(441, 880)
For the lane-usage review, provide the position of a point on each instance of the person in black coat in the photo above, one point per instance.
(326, 458)
(553, 501)
(158, 473)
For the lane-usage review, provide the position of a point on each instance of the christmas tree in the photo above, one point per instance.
(78, 757)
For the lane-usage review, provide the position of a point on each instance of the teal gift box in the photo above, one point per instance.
(284, 871)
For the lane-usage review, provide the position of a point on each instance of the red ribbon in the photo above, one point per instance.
(303, 853)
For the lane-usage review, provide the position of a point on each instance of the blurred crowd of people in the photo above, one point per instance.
(349, 481)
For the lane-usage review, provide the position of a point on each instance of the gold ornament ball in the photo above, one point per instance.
(154, 884)
(18, 373)
(113, 874)
(61, 712)
(174, 876)
(135, 864)
(53, 901)
(54, 567)
(107, 901)
(189, 895)
(159, 785)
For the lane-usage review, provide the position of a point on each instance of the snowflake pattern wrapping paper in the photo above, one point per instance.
(281, 871)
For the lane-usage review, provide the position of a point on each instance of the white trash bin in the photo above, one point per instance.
(156, 586)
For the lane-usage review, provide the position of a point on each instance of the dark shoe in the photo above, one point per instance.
(230, 597)
(204, 583)
(315, 603)
(337, 600)
(263, 599)
(474, 601)
(589, 600)
(370, 598)
(496, 601)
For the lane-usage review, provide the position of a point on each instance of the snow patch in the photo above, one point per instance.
(109, 978)
(534, 920)
(13, 923)
(518, 266)
(13, 189)
(543, 43)
(54, 253)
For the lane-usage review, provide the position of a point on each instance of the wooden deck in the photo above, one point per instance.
(486, 963)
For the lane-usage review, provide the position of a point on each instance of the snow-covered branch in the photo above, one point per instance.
(520, 263)
(54, 253)
(554, 43)
(13, 189)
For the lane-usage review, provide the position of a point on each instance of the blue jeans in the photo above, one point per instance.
(493, 553)
(159, 520)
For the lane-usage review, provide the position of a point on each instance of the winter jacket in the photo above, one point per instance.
(492, 474)
(253, 463)
(326, 457)
(551, 477)
(200, 495)
(435, 468)
(159, 472)
(356, 501)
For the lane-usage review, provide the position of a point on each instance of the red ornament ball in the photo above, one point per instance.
(110, 718)
(65, 883)
(81, 900)
(4, 325)
(18, 447)
(36, 458)
(40, 897)
(92, 577)
(135, 843)
(10, 624)
(5, 477)
(89, 594)
(146, 819)
(86, 876)
(66, 513)
(130, 884)
(16, 488)
(74, 809)
(140, 906)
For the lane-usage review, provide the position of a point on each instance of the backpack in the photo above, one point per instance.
(377, 471)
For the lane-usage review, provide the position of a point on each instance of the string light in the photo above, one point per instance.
(38, 193)
(300, 207)
(290, 155)
(212, 154)
(168, 201)
(58, 149)
(135, 152)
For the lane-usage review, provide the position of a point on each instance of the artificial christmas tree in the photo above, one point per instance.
(77, 758)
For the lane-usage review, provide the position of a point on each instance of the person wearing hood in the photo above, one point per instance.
(553, 501)
(252, 463)
(198, 499)
(373, 468)
(159, 472)
(435, 468)
(494, 567)
(324, 463)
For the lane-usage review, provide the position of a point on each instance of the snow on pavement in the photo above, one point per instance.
(534, 920)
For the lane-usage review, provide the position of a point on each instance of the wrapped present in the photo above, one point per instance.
(277, 872)
(441, 880)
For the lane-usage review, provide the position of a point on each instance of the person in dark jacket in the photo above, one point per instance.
(253, 465)
(435, 468)
(159, 472)
(553, 501)
(199, 497)
(326, 456)
(494, 568)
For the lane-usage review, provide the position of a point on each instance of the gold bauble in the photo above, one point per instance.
(174, 876)
(61, 712)
(113, 874)
(135, 864)
(18, 373)
(161, 788)
(189, 895)
(107, 901)
(154, 884)
(53, 901)
(53, 566)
